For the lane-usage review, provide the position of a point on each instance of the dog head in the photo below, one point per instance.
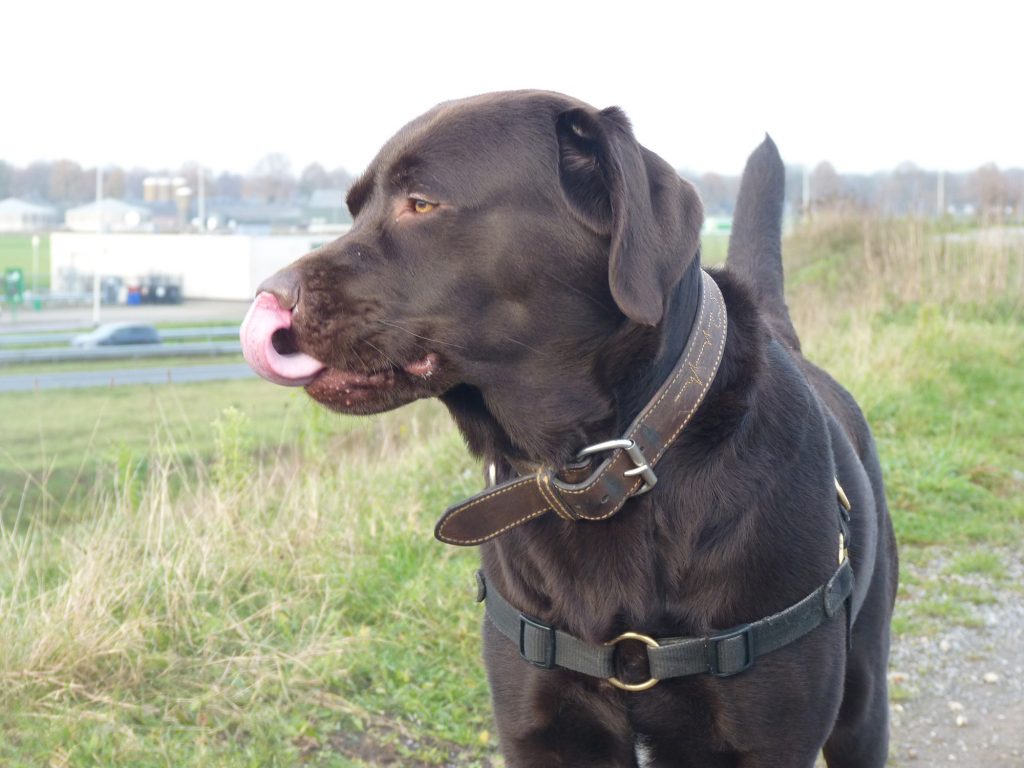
(498, 243)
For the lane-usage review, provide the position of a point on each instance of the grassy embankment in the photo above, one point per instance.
(237, 578)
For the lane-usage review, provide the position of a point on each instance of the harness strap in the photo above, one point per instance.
(722, 654)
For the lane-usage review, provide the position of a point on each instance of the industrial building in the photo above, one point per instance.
(22, 216)
(116, 216)
(204, 266)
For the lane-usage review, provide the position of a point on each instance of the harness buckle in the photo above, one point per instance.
(545, 638)
(715, 644)
(640, 465)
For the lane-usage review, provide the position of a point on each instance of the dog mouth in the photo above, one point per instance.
(272, 351)
(357, 392)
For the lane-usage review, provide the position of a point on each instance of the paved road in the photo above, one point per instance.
(166, 334)
(118, 352)
(73, 318)
(27, 382)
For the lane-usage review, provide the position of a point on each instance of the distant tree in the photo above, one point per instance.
(908, 190)
(989, 188)
(1015, 189)
(271, 179)
(114, 182)
(6, 179)
(717, 194)
(32, 182)
(825, 185)
(313, 177)
(133, 183)
(859, 190)
(340, 179)
(229, 186)
(64, 182)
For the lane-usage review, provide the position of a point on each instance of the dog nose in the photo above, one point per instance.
(283, 286)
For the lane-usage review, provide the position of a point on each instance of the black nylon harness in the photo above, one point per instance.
(722, 654)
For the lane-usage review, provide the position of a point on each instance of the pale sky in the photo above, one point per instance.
(866, 85)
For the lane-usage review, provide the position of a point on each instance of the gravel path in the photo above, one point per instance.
(963, 687)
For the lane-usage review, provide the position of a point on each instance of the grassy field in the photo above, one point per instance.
(226, 575)
(16, 251)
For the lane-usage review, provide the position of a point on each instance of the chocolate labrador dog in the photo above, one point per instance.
(671, 481)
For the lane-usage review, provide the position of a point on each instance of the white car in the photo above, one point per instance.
(118, 333)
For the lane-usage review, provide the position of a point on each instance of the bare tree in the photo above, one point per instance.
(271, 179)
(6, 179)
(341, 179)
(908, 190)
(989, 187)
(113, 182)
(33, 181)
(825, 185)
(718, 193)
(229, 186)
(313, 177)
(133, 183)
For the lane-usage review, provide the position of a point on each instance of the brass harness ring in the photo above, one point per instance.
(650, 642)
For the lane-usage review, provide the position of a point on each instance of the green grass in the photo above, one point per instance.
(259, 611)
(60, 446)
(223, 574)
(943, 398)
(713, 248)
(981, 562)
(16, 251)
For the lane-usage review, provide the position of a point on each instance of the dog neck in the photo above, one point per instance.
(605, 391)
(636, 376)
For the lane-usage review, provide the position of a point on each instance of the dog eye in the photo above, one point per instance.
(422, 206)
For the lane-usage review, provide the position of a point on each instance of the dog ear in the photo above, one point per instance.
(621, 190)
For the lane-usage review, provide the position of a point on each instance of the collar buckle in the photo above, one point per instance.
(640, 465)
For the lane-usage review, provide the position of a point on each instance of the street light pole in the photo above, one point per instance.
(35, 267)
(99, 247)
(202, 199)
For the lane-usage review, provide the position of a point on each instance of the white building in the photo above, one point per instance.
(22, 216)
(210, 266)
(118, 216)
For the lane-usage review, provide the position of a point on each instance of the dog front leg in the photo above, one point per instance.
(553, 718)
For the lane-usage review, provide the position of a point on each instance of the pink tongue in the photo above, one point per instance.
(264, 318)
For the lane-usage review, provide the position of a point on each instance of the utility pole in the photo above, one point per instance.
(99, 247)
(201, 203)
(35, 267)
(806, 192)
(940, 194)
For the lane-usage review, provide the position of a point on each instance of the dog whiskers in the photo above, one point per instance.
(382, 353)
(360, 357)
(604, 305)
(425, 338)
(524, 344)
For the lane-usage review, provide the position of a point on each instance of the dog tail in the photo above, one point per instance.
(755, 245)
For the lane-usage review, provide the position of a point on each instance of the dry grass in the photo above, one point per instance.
(846, 275)
(203, 599)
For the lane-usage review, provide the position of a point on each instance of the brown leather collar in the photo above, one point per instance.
(576, 492)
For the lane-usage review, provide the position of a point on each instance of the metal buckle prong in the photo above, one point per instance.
(632, 450)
